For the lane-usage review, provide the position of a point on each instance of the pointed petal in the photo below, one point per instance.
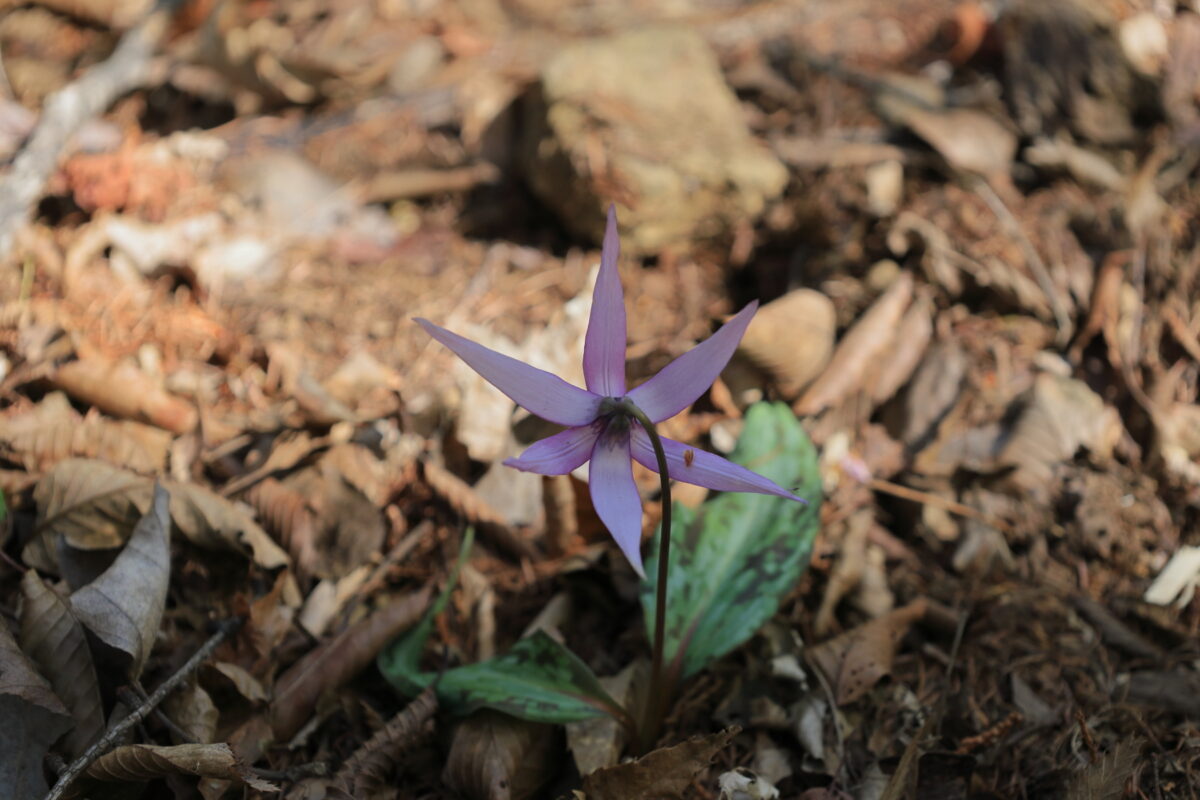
(604, 346)
(615, 496)
(557, 454)
(546, 395)
(705, 469)
(679, 383)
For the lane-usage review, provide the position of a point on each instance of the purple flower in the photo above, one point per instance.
(596, 427)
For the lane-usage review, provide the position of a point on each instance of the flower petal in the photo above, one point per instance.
(679, 383)
(615, 496)
(546, 395)
(604, 345)
(704, 469)
(557, 454)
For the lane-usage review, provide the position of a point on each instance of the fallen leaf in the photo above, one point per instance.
(138, 763)
(88, 505)
(854, 661)
(664, 773)
(860, 350)
(123, 390)
(246, 684)
(335, 661)
(933, 390)
(191, 708)
(55, 641)
(124, 606)
(369, 768)
(792, 339)
(743, 784)
(912, 337)
(211, 521)
(33, 718)
(497, 757)
(286, 513)
(1178, 579)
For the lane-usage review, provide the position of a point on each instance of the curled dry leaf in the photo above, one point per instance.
(194, 712)
(336, 661)
(287, 515)
(847, 572)
(124, 606)
(368, 769)
(860, 350)
(933, 390)
(55, 641)
(54, 431)
(87, 504)
(664, 773)
(33, 717)
(209, 520)
(792, 338)
(474, 509)
(138, 763)
(123, 390)
(497, 757)
(911, 339)
(855, 661)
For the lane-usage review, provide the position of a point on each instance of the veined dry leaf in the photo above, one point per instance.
(359, 467)
(287, 515)
(350, 527)
(473, 508)
(334, 662)
(367, 770)
(123, 390)
(664, 773)
(497, 757)
(860, 349)
(854, 661)
(33, 718)
(1105, 780)
(792, 339)
(194, 712)
(211, 521)
(137, 763)
(55, 641)
(89, 504)
(124, 606)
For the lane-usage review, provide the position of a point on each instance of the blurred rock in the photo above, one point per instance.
(646, 120)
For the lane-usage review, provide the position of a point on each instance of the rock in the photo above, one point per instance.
(646, 119)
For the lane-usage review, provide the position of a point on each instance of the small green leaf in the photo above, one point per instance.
(538, 680)
(735, 558)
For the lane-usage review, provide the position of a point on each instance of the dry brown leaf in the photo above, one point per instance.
(33, 718)
(359, 467)
(55, 641)
(246, 684)
(497, 757)
(334, 662)
(473, 508)
(287, 515)
(89, 504)
(209, 520)
(933, 390)
(664, 773)
(792, 338)
(286, 452)
(847, 571)
(969, 140)
(123, 390)
(138, 763)
(562, 520)
(350, 528)
(53, 431)
(194, 712)
(854, 661)
(124, 606)
(912, 337)
(368, 769)
(860, 349)
(1106, 779)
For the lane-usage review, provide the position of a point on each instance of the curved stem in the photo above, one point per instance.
(654, 707)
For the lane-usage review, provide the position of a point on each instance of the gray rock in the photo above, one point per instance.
(646, 120)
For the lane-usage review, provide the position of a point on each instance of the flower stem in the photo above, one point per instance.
(654, 707)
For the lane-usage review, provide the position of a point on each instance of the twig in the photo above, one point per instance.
(369, 766)
(65, 112)
(928, 498)
(105, 742)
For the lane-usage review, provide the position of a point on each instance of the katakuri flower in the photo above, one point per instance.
(598, 424)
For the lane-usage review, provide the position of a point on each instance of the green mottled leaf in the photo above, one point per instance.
(538, 679)
(734, 559)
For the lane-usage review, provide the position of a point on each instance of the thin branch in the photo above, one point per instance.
(66, 111)
(116, 732)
